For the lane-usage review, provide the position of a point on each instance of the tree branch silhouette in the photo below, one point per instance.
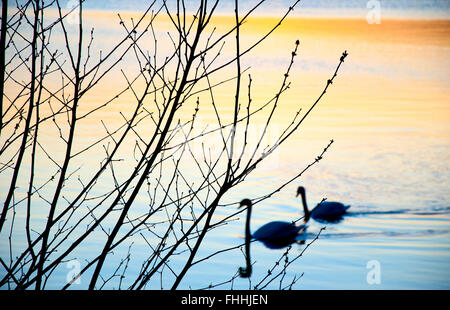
(146, 185)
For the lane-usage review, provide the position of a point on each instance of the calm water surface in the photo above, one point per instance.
(389, 115)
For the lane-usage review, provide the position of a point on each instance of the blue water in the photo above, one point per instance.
(395, 179)
(412, 249)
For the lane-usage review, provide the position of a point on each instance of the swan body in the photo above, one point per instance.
(326, 210)
(274, 235)
(277, 230)
(278, 234)
(272, 231)
(329, 209)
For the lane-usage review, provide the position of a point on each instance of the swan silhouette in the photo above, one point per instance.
(329, 211)
(274, 235)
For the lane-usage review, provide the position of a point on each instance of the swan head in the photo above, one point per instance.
(245, 202)
(300, 190)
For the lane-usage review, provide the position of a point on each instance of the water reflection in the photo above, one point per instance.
(283, 243)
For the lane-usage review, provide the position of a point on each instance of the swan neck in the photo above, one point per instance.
(305, 206)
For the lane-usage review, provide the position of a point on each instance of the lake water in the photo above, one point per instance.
(388, 113)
